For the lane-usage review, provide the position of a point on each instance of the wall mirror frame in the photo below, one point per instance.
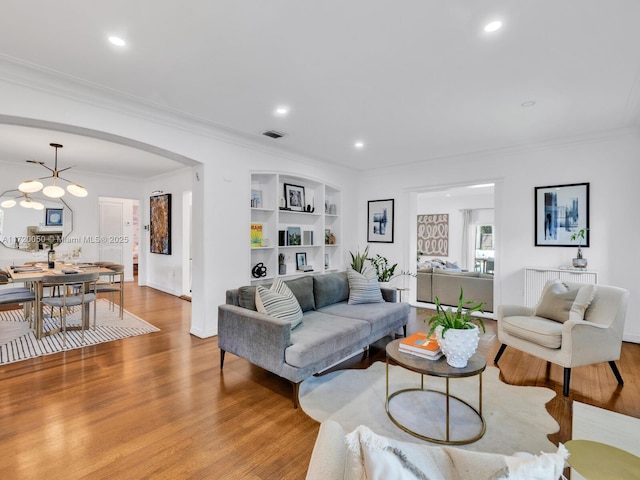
(26, 229)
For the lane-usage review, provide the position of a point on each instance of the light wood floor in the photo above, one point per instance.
(158, 406)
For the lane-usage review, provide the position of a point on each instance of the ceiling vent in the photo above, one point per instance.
(273, 134)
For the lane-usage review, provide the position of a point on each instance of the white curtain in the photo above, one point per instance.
(469, 221)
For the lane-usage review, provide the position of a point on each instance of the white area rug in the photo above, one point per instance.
(516, 418)
(18, 342)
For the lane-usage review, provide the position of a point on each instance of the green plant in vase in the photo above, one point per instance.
(457, 330)
(383, 270)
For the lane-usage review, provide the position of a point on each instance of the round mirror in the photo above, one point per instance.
(31, 221)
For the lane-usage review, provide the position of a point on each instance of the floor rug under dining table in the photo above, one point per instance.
(18, 342)
(516, 417)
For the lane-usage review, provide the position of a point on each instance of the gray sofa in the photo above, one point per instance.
(444, 284)
(331, 329)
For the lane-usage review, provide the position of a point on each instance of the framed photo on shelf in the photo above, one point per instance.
(256, 198)
(301, 260)
(380, 221)
(294, 197)
(294, 236)
(53, 217)
(561, 211)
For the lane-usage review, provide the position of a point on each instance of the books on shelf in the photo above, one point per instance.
(422, 345)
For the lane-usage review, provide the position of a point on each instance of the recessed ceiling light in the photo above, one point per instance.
(282, 111)
(493, 26)
(117, 41)
(528, 103)
(358, 144)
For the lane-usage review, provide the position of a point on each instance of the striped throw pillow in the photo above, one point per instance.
(279, 302)
(364, 287)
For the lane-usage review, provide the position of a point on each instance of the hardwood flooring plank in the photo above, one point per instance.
(158, 405)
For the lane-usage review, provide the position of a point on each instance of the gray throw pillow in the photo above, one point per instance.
(559, 303)
(364, 287)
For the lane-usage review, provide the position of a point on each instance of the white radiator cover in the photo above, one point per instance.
(536, 277)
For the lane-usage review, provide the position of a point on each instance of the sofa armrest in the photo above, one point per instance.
(329, 453)
(389, 294)
(260, 338)
(513, 311)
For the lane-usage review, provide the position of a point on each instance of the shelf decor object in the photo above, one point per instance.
(380, 219)
(560, 212)
(294, 196)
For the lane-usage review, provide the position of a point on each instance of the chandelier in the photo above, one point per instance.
(53, 190)
(26, 202)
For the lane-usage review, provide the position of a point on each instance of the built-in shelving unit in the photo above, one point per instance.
(296, 227)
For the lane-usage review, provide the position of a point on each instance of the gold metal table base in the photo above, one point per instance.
(447, 440)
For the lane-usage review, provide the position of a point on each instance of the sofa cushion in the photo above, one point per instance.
(321, 335)
(379, 315)
(247, 297)
(279, 302)
(455, 273)
(330, 288)
(541, 331)
(302, 288)
(558, 302)
(364, 287)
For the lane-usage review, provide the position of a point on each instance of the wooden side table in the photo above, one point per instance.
(599, 461)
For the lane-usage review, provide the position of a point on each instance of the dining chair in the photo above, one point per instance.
(113, 282)
(17, 295)
(76, 289)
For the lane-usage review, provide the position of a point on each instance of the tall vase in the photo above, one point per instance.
(458, 346)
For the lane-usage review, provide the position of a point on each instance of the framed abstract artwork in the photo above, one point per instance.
(160, 235)
(433, 234)
(294, 196)
(380, 221)
(560, 212)
(53, 217)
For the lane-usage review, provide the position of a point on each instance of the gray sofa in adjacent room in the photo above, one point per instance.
(331, 328)
(444, 284)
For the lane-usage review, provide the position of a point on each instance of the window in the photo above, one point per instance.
(484, 251)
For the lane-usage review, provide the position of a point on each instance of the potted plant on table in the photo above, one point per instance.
(457, 330)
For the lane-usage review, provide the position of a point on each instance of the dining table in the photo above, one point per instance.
(36, 275)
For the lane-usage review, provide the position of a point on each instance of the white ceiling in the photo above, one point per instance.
(413, 79)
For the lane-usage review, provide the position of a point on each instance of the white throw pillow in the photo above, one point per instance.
(559, 303)
(280, 302)
(364, 287)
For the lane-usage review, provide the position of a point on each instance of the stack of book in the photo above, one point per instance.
(422, 345)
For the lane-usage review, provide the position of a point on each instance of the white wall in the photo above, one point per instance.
(220, 180)
(609, 163)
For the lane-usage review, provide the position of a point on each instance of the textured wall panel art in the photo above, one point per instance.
(433, 234)
(160, 237)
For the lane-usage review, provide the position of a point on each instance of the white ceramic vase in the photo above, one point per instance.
(458, 346)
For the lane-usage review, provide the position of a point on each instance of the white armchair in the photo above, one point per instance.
(568, 340)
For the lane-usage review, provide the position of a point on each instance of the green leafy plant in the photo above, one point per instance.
(357, 260)
(460, 319)
(383, 270)
(579, 236)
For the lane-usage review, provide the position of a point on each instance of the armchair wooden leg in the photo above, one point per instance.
(222, 352)
(296, 392)
(616, 372)
(500, 352)
(567, 380)
(404, 328)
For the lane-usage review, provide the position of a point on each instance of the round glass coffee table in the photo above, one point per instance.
(436, 368)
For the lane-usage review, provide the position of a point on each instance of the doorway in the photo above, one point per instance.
(118, 223)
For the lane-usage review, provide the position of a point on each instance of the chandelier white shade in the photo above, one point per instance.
(26, 202)
(53, 190)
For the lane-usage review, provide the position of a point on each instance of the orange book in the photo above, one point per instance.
(420, 342)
